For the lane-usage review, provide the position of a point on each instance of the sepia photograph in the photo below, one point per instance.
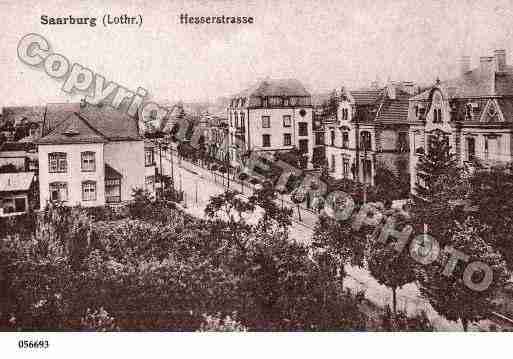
(284, 172)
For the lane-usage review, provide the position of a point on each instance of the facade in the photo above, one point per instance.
(369, 131)
(89, 155)
(474, 111)
(274, 115)
(17, 193)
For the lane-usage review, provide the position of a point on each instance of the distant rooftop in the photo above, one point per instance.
(20, 181)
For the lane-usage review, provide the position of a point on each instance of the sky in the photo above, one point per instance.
(324, 44)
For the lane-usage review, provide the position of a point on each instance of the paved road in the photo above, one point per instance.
(199, 184)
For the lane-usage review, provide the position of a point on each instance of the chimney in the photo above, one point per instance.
(500, 60)
(486, 63)
(464, 64)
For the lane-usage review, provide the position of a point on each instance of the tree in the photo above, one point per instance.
(434, 165)
(492, 193)
(339, 240)
(450, 292)
(389, 266)
(266, 198)
(229, 205)
(440, 184)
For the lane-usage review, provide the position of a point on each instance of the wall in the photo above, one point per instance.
(127, 157)
(74, 175)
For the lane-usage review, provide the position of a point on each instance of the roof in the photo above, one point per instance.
(394, 111)
(111, 173)
(366, 96)
(76, 123)
(75, 129)
(19, 181)
(275, 87)
(479, 82)
(16, 146)
(376, 105)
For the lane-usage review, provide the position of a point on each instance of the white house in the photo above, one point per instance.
(273, 115)
(89, 155)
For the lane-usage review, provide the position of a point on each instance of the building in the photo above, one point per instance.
(474, 111)
(22, 156)
(22, 121)
(17, 193)
(369, 131)
(89, 155)
(273, 115)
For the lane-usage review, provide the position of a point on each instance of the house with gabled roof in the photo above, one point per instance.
(474, 111)
(89, 155)
(369, 131)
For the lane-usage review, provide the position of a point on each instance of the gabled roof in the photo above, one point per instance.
(394, 111)
(20, 181)
(74, 129)
(93, 123)
(366, 96)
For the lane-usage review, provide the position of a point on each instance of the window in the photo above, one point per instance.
(365, 140)
(468, 112)
(113, 190)
(471, 149)
(287, 139)
(285, 101)
(437, 115)
(266, 121)
(57, 162)
(242, 122)
(89, 191)
(265, 102)
(58, 191)
(303, 129)
(287, 122)
(266, 140)
(345, 139)
(303, 146)
(367, 171)
(88, 163)
(319, 138)
(345, 167)
(402, 142)
(332, 137)
(149, 157)
(333, 165)
(345, 114)
(236, 120)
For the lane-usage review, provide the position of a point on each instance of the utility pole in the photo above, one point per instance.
(161, 172)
